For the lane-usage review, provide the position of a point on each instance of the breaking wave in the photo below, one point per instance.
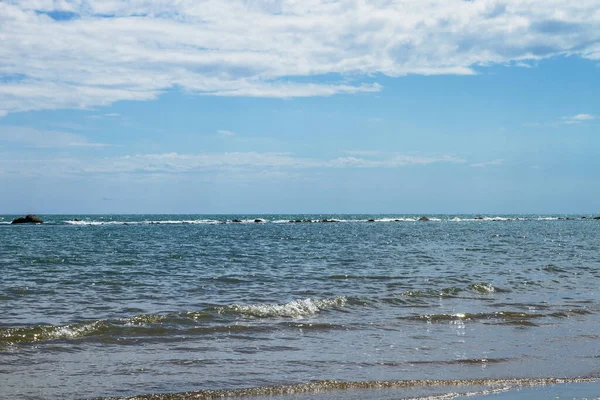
(152, 325)
(293, 309)
(300, 219)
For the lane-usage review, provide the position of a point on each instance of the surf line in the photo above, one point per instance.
(333, 385)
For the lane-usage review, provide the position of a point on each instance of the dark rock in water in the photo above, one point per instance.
(396, 220)
(236, 220)
(76, 220)
(598, 217)
(478, 217)
(371, 220)
(583, 217)
(258, 221)
(423, 219)
(28, 219)
(328, 220)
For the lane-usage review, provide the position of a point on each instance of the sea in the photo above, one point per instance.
(299, 306)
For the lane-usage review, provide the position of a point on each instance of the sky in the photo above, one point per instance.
(300, 106)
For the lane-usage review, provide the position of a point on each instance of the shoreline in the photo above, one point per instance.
(475, 389)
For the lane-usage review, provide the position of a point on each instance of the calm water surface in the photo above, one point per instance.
(124, 305)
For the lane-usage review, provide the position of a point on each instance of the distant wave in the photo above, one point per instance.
(158, 222)
(88, 222)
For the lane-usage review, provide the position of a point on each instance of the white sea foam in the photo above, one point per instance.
(87, 222)
(483, 288)
(496, 219)
(64, 332)
(286, 221)
(293, 309)
(74, 331)
(164, 222)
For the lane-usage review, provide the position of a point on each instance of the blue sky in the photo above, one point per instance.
(267, 106)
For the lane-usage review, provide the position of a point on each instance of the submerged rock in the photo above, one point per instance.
(236, 220)
(28, 219)
(423, 219)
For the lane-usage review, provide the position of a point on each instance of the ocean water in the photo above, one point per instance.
(392, 308)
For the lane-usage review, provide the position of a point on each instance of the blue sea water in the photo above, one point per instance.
(122, 305)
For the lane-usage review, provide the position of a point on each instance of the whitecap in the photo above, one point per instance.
(293, 309)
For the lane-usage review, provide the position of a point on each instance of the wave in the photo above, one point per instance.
(163, 325)
(473, 387)
(307, 219)
(478, 288)
(123, 332)
(157, 222)
(293, 309)
(40, 333)
(297, 219)
(486, 288)
(171, 326)
(493, 318)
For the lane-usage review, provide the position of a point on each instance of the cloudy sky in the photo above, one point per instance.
(300, 106)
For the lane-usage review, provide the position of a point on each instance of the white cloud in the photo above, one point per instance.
(579, 118)
(34, 138)
(568, 120)
(487, 163)
(135, 50)
(175, 163)
(226, 133)
(391, 161)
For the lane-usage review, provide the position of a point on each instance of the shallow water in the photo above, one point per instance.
(123, 305)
